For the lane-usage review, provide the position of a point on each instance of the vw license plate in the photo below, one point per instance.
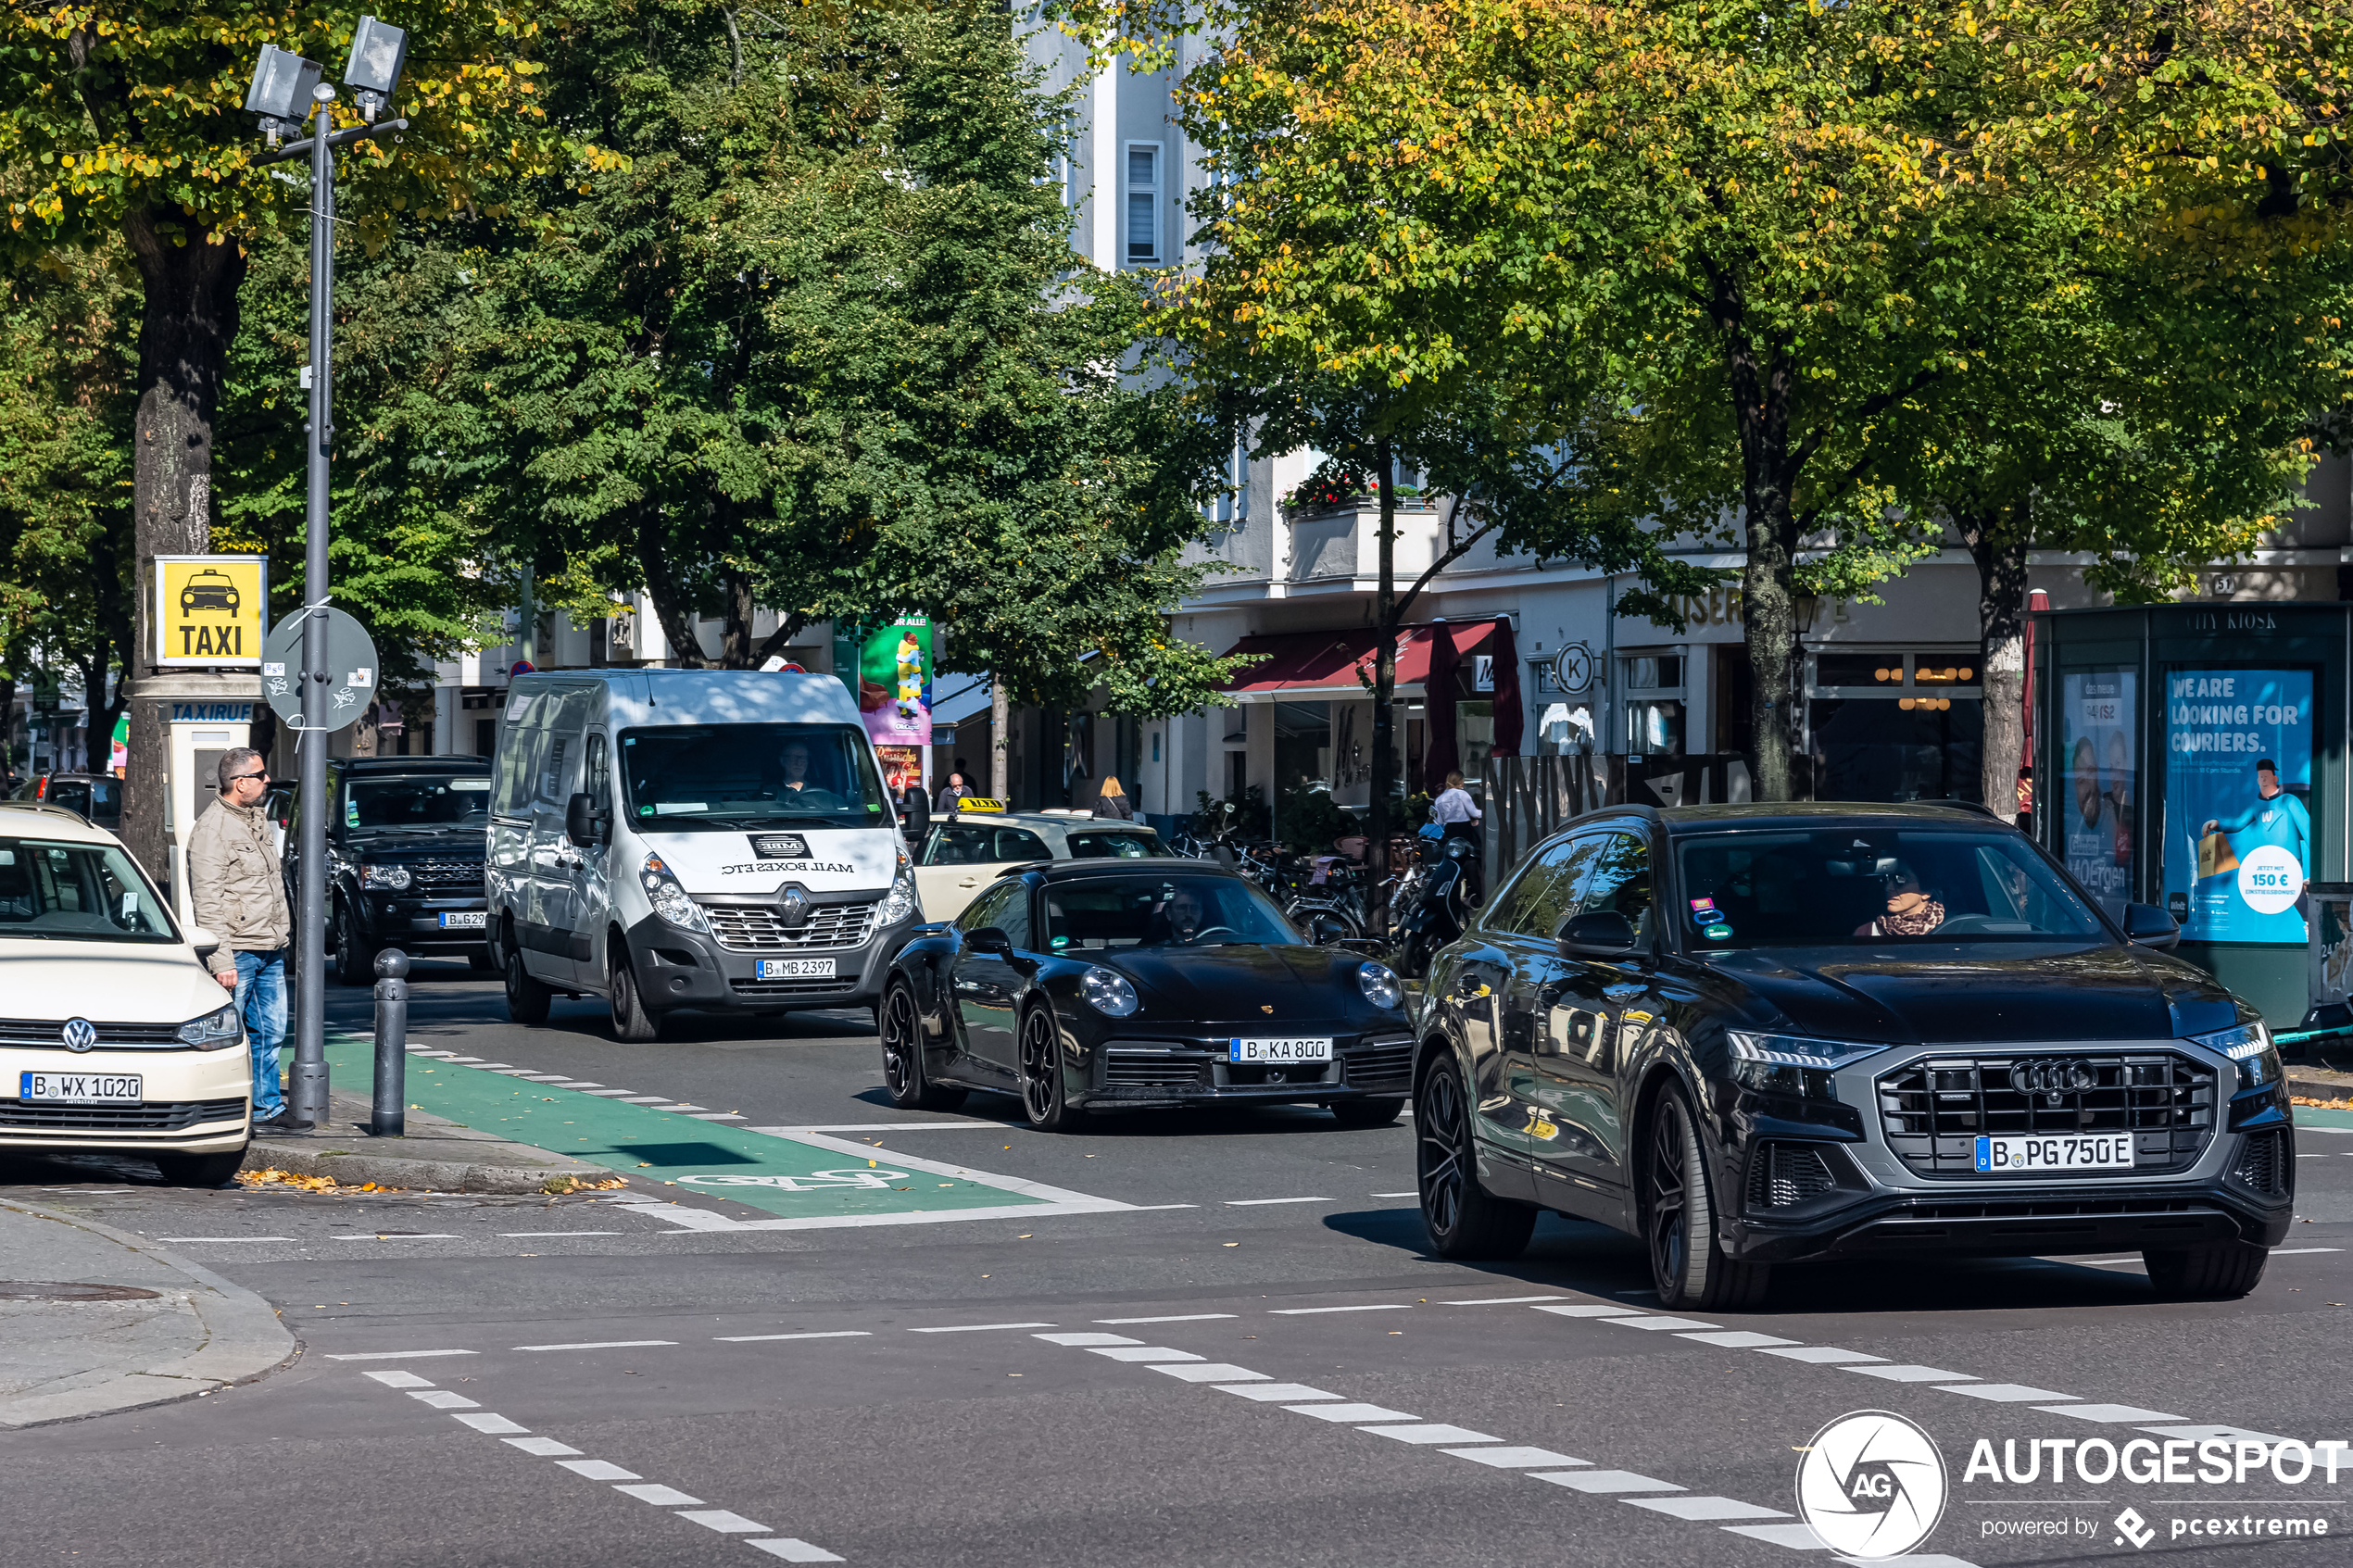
(794, 969)
(463, 920)
(1279, 1050)
(80, 1088)
(2107, 1151)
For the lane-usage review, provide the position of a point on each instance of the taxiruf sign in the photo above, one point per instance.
(210, 611)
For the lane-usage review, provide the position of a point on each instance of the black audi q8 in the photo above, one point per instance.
(1753, 1034)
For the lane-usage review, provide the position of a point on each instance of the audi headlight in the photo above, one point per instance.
(667, 897)
(394, 877)
(1792, 1064)
(900, 901)
(2251, 1047)
(1380, 985)
(1107, 991)
(213, 1032)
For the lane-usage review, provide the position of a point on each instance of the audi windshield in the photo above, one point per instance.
(1872, 887)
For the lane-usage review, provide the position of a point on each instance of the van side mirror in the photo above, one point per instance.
(2150, 926)
(991, 940)
(1598, 933)
(580, 820)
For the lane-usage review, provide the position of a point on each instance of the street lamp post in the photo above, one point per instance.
(287, 88)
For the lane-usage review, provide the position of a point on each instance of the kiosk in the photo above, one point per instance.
(2192, 755)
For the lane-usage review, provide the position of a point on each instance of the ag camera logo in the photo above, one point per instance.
(1872, 1484)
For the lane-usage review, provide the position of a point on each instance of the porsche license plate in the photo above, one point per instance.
(1280, 1050)
(80, 1088)
(461, 920)
(2104, 1151)
(795, 969)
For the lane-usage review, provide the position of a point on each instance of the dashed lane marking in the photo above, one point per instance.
(655, 1492)
(177, 1240)
(1593, 1309)
(1911, 1374)
(398, 1379)
(821, 1333)
(2115, 1415)
(1499, 1300)
(601, 1344)
(1353, 1413)
(1708, 1509)
(1820, 1354)
(1316, 1312)
(1181, 1317)
(1511, 1458)
(1145, 1355)
(597, 1470)
(399, 1235)
(1659, 1322)
(398, 1355)
(1737, 1339)
(1431, 1433)
(977, 1327)
(497, 1426)
(1396, 1194)
(545, 1447)
(1261, 1202)
(795, 1551)
(726, 1523)
(2004, 1393)
(442, 1399)
(1274, 1393)
(1209, 1371)
(1599, 1481)
(535, 1236)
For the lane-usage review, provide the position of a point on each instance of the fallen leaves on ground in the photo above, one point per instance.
(275, 1177)
(2320, 1104)
(564, 1186)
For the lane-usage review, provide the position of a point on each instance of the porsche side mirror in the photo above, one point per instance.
(990, 940)
(1601, 933)
(2150, 926)
(580, 818)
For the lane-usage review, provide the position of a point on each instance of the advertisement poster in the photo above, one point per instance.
(2238, 828)
(901, 766)
(2095, 815)
(888, 669)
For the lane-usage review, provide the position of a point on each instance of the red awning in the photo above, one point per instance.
(1337, 666)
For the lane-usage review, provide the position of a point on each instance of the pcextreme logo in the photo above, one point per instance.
(1872, 1484)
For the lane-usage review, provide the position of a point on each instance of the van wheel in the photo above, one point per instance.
(201, 1170)
(527, 998)
(632, 1020)
(902, 1046)
(1678, 1219)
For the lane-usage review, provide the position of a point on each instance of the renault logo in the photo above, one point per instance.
(793, 909)
(79, 1034)
(2053, 1077)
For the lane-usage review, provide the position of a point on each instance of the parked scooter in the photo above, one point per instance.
(1442, 910)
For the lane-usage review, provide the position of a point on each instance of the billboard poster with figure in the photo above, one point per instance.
(2099, 784)
(2238, 824)
(888, 669)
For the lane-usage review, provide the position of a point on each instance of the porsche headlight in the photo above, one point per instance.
(213, 1032)
(1380, 985)
(1107, 991)
(392, 877)
(667, 897)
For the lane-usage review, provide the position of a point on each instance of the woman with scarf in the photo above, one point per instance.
(1910, 911)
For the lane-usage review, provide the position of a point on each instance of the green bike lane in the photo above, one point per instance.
(807, 1180)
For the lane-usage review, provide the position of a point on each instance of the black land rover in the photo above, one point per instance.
(1753, 1034)
(404, 843)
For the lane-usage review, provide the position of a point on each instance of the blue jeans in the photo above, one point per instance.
(262, 997)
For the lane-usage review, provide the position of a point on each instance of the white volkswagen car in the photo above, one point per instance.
(113, 1034)
(964, 850)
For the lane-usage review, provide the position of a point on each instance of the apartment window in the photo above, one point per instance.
(1232, 505)
(1143, 201)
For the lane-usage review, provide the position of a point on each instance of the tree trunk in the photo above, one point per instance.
(662, 590)
(1768, 588)
(1385, 613)
(736, 612)
(1998, 540)
(187, 322)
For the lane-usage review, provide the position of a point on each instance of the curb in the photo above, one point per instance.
(2312, 1084)
(353, 1168)
(244, 1339)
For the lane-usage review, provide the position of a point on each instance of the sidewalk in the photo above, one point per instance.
(437, 1155)
(93, 1320)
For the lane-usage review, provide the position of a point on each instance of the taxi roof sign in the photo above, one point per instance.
(979, 803)
(210, 611)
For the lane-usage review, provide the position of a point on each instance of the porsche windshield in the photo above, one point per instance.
(1872, 886)
(733, 775)
(1156, 911)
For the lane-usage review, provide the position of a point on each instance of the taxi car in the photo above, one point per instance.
(967, 847)
(208, 590)
(114, 1035)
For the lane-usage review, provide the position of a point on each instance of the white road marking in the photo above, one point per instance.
(443, 1399)
(1430, 1432)
(1499, 1300)
(1086, 1338)
(794, 1551)
(528, 1236)
(2214, 1434)
(2120, 1415)
(1737, 1339)
(650, 1099)
(1513, 1457)
(724, 1522)
(476, 1061)
(655, 1492)
(1912, 1373)
(887, 1127)
(1354, 1414)
(1140, 1208)
(1185, 1317)
(1593, 1309)
(381, 1235)
(494, 1424)
(1818, 1355)
(1147, 1354)
(600, 1344)
(978, 1328)
(2004, 1393)
(1604, 1481)
(578, 1083)
(1396, 1194)
(821, 1333)
(2301, 1251)
(181, 1239)
(1798, 1537)
(1210, 1372)
(1708, 1508)
(398, 1355)
(597, 1470)
(1311, 1311)
(1259, 1202)
(398, 1379)
(545, 1447)
(1273, 1393)
(718, 1116)
(1659, 1322)
(608, 1094)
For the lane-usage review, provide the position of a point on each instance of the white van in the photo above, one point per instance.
(691, 838)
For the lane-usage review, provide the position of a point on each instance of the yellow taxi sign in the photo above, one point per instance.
(210, 610)
(979, 803)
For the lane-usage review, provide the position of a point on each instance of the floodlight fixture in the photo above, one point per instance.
(378, 50)
(281, 86)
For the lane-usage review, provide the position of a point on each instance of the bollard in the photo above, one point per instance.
(389, 1118)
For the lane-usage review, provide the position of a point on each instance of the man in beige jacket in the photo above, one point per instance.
(237, 893)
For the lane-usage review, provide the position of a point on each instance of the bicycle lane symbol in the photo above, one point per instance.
(816, 1181)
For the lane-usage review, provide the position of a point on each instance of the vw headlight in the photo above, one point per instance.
(1107, 991)
(1792, 1064)
(2250, 1045)
(1380, 985)
(900, 901)
(667, 897)
(394, 877)
(213, 1032)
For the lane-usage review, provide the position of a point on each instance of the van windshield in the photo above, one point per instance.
(731, 775)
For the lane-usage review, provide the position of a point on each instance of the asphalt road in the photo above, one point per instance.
(1172, 1340)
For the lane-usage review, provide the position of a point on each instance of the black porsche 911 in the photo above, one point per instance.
(1081, 985)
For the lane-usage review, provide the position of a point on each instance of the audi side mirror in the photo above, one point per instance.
(580, 818)
(990, 939)
(2150, 926)
(1598, 933)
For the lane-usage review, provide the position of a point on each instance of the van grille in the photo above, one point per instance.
(1935, 1111)
(759, 928)
(168, 1117)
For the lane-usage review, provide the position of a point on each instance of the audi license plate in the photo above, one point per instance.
(2106, 1152)
(80, 1088)
(463, 920)
(1280, 1050)
(795, 969)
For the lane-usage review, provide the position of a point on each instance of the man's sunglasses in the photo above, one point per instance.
(240, 778)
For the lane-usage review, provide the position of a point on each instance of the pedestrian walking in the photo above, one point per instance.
(951, 792)
(237, 893)
(1459, 817)
(1112, 801)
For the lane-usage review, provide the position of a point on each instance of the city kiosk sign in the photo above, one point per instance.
(209, 610)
